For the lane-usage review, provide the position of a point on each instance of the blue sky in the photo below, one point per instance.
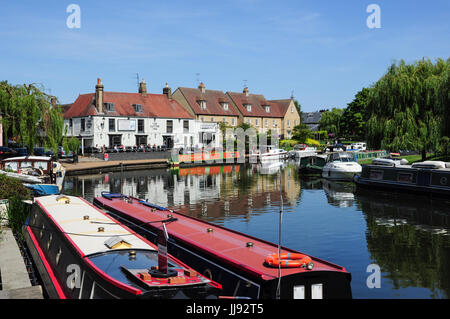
(323, 51)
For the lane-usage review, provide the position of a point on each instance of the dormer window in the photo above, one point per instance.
(137, 108)
(225, 106)
(248, 107)
(109, 107)
(202, 105)
(267, 108)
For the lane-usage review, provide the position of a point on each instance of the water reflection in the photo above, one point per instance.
(407, 236)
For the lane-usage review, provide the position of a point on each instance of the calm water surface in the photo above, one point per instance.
(408, 237)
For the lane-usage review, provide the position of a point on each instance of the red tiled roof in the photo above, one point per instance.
(213, 99)
(257, 101)
(153, 105)
(283, 104)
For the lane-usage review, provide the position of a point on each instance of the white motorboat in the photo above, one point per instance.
(269, 167)
(268, 153)
(34, 169)
(341, 166)
(302, 150)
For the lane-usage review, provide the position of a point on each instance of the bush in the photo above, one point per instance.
(10, 187)
(17, 214)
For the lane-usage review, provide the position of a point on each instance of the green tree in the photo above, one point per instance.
(354, 117)
(331, 121)
(29, 117)
(408, 107)
(301, 133)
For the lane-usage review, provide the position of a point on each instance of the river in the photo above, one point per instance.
(406, 237)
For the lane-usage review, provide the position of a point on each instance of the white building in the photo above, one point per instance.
(131, 119)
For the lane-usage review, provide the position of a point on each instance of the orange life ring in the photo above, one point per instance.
(289, 260)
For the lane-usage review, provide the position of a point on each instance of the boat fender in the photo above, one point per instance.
(289, 260)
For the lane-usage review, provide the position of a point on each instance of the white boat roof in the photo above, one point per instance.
(84, 233)
(22, 158)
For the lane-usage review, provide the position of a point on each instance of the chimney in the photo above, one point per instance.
(143, 88)
(245, 91)
(99, 96)
(201, 87)
(167, 91)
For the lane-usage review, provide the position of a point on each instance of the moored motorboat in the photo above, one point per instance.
(341, 166)
(268, 153)
(34, 170)
(233, 259)
(302, 150)
(429, 177)
(81, 252)
(312, 164)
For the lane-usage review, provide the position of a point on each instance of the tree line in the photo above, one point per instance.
(408, 108)
(30, 117)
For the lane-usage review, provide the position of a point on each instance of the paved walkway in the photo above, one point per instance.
(14, 276)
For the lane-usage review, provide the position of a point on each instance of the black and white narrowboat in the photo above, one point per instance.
(80, 252)
(429, 177)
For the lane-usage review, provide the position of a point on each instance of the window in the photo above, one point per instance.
(212, 119)
(141, 126)
(248, 107)
(248, 121)
(224, 120)
(273, 123)
(112, 125)
(225, 106)
(295, 122)
(83, 125)
(138, 108)
(203, 105)
(256, 122)
(292, 109)
(267, 123)
(169, 127)
(70, 123)
(267, 108)
(109, 107)
(186, 126)
(288, 123)
(232, 121)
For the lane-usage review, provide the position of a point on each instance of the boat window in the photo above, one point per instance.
(26, 164)
(41, 165)
(376, 174)
(405, 177)
(11, 166)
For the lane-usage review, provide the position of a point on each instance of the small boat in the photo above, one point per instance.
(269, 167)
(268, 153)
(302, 150)
(34, 170)
(357, 147)
(245, 266)
(311, 165)
(429, 177)
(82, 253)
(341, 166)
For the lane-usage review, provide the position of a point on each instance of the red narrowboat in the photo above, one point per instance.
(245, 266)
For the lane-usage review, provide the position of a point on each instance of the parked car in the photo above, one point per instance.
(41, 151)
(21, 151)
(6, 152)
(63, 154)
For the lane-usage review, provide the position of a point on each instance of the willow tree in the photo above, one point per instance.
(406, 107)
(331, 121)
(29, 117)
